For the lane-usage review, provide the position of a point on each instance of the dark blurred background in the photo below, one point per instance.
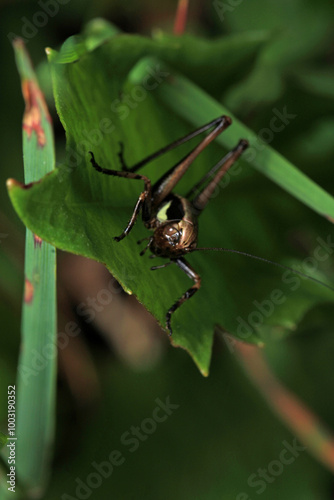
(111, 375)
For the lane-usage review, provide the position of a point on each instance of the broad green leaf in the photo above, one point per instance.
(80, 210)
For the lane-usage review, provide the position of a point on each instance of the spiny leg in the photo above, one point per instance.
(191, 273)
(144, 197)
(201, 200)
(167, 148)
(135, 213)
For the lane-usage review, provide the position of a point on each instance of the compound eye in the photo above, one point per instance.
(172, 233)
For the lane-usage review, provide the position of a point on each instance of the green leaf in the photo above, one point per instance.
(36, 380)
(79, 210)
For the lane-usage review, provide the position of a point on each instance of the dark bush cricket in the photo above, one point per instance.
(173, 218)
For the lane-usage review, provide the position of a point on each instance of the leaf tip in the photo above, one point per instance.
(51, 54)
(18, 43)
(11, 183)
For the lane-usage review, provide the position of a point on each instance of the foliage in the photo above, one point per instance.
(107, 92)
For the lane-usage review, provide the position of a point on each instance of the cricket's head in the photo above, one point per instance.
(174, 238)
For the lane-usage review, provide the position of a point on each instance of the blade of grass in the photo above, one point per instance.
(190, 102)
(36, 378)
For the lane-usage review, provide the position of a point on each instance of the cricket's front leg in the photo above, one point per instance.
(191, 273)
(135, 213)
(144, 200)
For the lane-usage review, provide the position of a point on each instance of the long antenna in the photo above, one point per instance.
(267, 261)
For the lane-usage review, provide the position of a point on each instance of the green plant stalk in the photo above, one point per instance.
(36, 380)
